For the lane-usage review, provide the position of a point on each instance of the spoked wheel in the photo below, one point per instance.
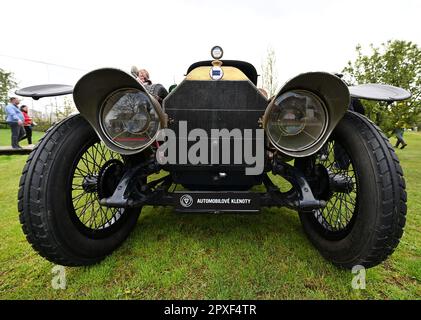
(340, 190)
(95, 176)
(60, 188)
(359, 176)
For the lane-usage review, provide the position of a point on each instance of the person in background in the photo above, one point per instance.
(15, 120)
(142, 75)
(27, 124)
(157, 90)
(399, 131)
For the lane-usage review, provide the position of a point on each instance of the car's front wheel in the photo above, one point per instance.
(66, 174)
(365, 193)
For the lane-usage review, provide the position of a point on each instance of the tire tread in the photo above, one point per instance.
(392, 218)
(34, 224)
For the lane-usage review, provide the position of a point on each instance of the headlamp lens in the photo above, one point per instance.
(129, 119)
(297, 120)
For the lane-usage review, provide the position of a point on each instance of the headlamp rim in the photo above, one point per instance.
(321, 135)
(106, 134)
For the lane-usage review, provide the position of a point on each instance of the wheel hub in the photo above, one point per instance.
(108, 178)
(89, 183)
(326, 183)
(340, 183)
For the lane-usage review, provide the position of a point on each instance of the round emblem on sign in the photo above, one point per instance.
(216, 73)
(186, 200)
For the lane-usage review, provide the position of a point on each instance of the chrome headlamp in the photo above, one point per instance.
(297, 120)
(123, 114)
(129, 119)
(301, 117)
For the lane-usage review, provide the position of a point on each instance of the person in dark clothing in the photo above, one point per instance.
(27, 124)
(157, 90)
(399, 131)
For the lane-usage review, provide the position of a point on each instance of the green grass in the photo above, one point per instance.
(5, 137)
(169, 255)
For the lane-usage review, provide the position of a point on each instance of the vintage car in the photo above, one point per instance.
(219, 145)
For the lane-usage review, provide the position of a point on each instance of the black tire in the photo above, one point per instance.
(45, 200)
(376, 225)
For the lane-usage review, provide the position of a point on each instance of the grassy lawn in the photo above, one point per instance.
(169, 255)
(5, 137)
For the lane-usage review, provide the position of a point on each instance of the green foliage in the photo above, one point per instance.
(396, 63)
(67, 109)
(42, 125)
(7, 83)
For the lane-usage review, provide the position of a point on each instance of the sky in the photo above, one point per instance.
(165, 36)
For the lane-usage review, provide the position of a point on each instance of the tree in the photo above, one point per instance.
(7, 83)
(67, 109)
(396, 63)
(269, 73)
